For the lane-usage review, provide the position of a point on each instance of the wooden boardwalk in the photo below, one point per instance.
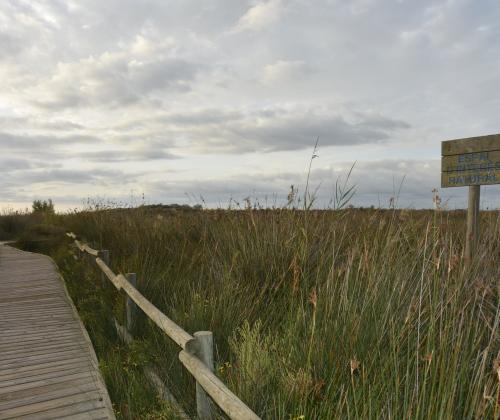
(48, 368)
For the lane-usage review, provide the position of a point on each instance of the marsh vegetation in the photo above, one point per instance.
(353, 313)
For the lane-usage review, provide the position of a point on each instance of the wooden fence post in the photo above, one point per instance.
(130, 305)
(472, 222)
(205, 352)
(104, 256)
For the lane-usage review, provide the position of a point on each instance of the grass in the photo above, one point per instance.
(13, 223)
(315, 314)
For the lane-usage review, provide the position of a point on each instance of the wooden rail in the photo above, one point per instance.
(197, 350)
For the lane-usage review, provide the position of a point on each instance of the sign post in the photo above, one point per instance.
(471, 162)
(472, 221)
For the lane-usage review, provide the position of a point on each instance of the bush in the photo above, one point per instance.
(39, 237)
(44, 206)
(11, 225)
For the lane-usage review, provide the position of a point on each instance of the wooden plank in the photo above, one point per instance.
(42, 349)
(37, 362)
(49, 395)
(23, 361)
(97, 414)
(38, 370)
(41, 344)
(31, 369)
(34, 332)
(471, 145)
(77, 403)
(22, 335)
(43, 376)
(41, 385)
(36, 325)
(480, 168)
(20, 299)
(33, 312)
(31, 302)
(82, 410)
(48, 368)
(27, 352)
(35, 341)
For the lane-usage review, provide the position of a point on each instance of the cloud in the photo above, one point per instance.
(32, 123)
(39, 143)
(61, 184)
(15, 164)
(121, 155)
(9, 46)
(283, 71)
(72, 176)
(259, 16)
(117, 78)
(271, 129)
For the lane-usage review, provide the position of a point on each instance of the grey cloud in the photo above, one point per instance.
(165, 74)
(279, 129)
(9, 46)
(58, 125)
(41, 143)
(7, 165)
(62, 176)
(34, 123)
(268, 130)
(126, 155)
(202, 117)
(13, 164)
(300, 131)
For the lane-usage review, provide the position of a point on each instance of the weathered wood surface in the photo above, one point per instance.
(470, 161)
(48, 368)
(479, 168)
(472, 222)
(471, 145)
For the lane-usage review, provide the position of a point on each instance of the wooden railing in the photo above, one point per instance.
(197, 351)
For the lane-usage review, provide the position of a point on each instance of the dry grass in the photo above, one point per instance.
(316, 314)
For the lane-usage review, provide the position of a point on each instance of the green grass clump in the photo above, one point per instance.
(316, 314)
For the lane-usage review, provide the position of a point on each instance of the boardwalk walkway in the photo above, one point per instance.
(48, 368)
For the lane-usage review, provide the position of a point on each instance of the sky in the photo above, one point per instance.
(211, 101)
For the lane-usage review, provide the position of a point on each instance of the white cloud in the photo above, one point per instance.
(259, 16)
(283, 71)
(118, 77)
